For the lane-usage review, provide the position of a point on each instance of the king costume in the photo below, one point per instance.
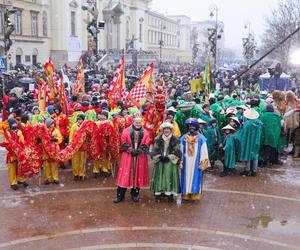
(195, 161)
(166, 156)
(133, 169)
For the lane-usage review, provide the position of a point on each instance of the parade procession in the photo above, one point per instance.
(124, 134)
(149, 124)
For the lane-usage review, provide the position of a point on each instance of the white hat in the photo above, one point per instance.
(251, 114)
(228, 127)
(231, 110)
(166, 125)
(201, 121)
(235, 119)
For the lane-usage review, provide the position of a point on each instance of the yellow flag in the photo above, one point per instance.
(195, 85)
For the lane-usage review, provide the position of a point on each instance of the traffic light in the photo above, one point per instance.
(9, 28)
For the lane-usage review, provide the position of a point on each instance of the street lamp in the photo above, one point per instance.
(249, 44)
(161, 43)
(216, 32)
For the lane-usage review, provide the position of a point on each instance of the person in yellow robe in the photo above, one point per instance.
(79, 159)
(51, 165)
(11, 160)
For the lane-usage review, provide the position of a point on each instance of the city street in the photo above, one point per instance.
(235, 213)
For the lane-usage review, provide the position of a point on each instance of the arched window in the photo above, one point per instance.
(45, 23)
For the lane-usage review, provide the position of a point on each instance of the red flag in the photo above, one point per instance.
(117, 84)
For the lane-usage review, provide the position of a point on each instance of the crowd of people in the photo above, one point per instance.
(182, 133)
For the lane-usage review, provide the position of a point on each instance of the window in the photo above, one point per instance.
(34, 59)
(18, 59)
(73, 23)
(34, 24)
(27, 58)
(141, 32)
(18, 23)
(45, 23)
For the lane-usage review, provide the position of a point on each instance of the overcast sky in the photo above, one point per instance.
(234, 13)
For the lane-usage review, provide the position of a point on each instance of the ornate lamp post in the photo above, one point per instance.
(215, 33)
(161, 43)
(249, 45)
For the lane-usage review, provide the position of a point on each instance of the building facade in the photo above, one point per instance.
(31, 38)
(184, 48)
(162, 33)
(69, 34)
(58, 29)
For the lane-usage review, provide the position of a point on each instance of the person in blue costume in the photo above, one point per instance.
(195, 161)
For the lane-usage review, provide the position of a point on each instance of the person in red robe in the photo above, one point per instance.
(133, 168)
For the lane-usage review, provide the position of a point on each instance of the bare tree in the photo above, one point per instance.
(284, 19)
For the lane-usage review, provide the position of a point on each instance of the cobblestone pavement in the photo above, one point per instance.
(260, 212)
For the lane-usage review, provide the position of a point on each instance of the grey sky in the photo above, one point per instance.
(234, 13)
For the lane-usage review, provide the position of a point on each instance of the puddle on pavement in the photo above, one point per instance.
(269, 223)
(261, 221)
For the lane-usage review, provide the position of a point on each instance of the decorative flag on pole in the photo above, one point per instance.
(79, 86)
(138, 93)
(117, 85)
(206, 77)
(49, 70)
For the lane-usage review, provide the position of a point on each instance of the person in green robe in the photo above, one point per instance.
(218, 113)
(229, 150)
(249, 138)
(239, 113)
(270, 135)
(186, 111)
(166, 157)
(205, 113)
(214, 139)
(202, 127)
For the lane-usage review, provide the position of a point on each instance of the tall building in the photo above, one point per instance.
(184, 48)
(125, 20)
(162, 36)
(58, 29)
(68, 31)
